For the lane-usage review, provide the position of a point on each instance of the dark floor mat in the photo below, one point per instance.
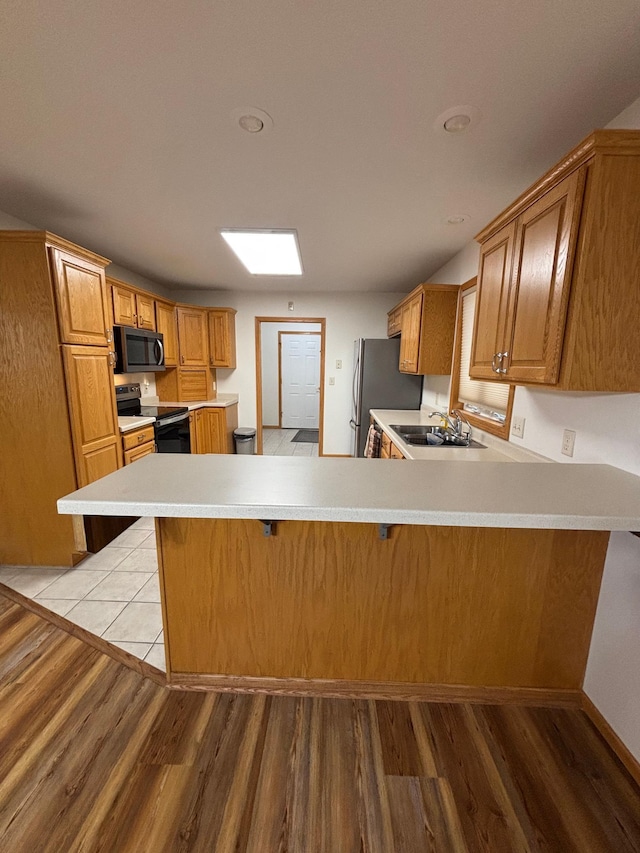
(310, 436)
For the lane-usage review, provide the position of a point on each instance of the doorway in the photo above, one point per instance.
(299, 380)
(290, 364)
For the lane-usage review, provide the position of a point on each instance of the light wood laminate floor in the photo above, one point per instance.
(95, 757)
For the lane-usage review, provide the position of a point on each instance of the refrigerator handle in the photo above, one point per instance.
(356, 370)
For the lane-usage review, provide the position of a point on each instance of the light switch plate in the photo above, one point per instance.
(517, 426)
(568, 442)
(332, 380)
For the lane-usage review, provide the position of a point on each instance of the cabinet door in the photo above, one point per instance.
(494, 273)
(193, 434)
(92, 405)
(203, 442)
(410, 339)
(124, 306)
(146, 311)
(166, 324)
(81, 294)
(540, 283)
(193, 337)
(222, 338)
(216, 430)
(138, 452)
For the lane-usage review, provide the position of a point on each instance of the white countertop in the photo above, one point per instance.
(127, 424)
(438, 492)
(496, 450)
(221, 401)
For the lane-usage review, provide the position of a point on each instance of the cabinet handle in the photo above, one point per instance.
(181, 359)
(493, 362)
(109, 336)
(140, 438)
(135, 319)
(503, 355)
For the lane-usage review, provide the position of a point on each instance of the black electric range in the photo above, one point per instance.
(171, 424)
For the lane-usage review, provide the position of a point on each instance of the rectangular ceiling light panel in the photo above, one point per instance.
(266, 252)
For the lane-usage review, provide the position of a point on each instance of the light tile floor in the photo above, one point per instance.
(277, 442)
(114, 594)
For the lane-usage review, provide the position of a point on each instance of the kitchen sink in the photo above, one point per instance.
(422, 435)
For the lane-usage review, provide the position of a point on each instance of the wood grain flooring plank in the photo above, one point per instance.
(400, 752)
(608, 792)
(333, 814)
(545, 786)
(73, 779)
(485, 824)
(373, 799)
(270, 825)
(96, 758)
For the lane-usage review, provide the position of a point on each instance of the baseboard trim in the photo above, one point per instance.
(145, 669)
(336, 689)
(337, 455)
(626, 757)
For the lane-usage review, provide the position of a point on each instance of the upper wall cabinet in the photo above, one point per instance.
(558, 296)
(167, 325)
(222, 337)
(132, 307)
(193, 336)
(80, 289)
(426, 319)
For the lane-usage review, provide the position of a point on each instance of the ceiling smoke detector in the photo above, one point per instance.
(457, 218)
(457, 119)
(252, 120)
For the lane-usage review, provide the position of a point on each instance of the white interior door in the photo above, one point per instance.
(300, 380)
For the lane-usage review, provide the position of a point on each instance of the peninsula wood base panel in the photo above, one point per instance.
(481, 607)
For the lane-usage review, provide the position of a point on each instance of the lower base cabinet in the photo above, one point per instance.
(211, 429)
(138, 443)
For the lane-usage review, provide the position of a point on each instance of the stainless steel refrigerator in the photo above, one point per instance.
(378, 384)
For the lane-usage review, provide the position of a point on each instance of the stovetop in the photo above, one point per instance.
(160, 412)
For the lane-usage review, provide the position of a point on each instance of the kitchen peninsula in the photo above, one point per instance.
(365, 577)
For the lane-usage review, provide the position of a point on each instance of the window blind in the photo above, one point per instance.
(490, 395)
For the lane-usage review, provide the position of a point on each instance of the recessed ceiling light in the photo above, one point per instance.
(457, 218)
(265, 251)
(456, 124)
(252, 119)
(457, 119)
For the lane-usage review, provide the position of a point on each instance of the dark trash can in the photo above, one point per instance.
(245, 440)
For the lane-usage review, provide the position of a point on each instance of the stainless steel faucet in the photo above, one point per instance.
(454, 422)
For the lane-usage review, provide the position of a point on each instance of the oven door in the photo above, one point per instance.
(172, 435)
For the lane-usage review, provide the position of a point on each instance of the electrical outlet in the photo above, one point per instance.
(517, 426)
(338, 364)
(290, 306)
(332, 380)
(568, 441)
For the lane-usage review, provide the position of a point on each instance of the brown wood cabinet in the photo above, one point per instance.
(166, 324)
(54, 303)
(558, 295)
(213, 429)
(222, 337)
(186, 384)
(94, 419)
(427, 327)
(193, 336)
(132, 307)
(81, 296)
(138, 443)
(394, 322)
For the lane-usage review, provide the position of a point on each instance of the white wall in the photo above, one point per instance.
(270, 367)
(607, 431)
(348, 316)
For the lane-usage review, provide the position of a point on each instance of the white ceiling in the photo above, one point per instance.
(116, 126)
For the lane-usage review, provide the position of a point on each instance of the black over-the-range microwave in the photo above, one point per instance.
(137, 351)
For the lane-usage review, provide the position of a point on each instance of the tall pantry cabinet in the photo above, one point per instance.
(58, 400)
